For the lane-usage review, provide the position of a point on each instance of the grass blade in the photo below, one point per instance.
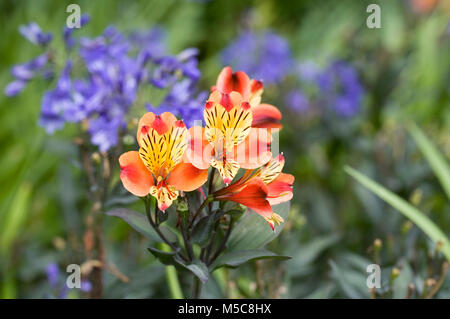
(436, 160)
(416, 216)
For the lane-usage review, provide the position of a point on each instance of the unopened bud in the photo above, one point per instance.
(377, 244)
(406, 227)
(128, 140)
(395, 272)
(430, 282)
(96, 157)
(416, 196)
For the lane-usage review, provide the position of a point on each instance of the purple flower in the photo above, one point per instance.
(55, 102)
(308, 71)
(341, 89)
(67, 32)
(15, 87)
(115, 68)
(297, 101)
(265, 56)
(25, 72)
(33, 33)
(52, 271)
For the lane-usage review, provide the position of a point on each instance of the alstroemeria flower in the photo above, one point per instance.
(228, 142)
(264, 115)
(160, 167)
(261, 188)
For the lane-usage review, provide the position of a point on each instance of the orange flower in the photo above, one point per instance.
(274, 187)
(160, 168)
(264, 115)
(228, 141)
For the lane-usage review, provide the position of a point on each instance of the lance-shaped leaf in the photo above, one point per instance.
(416, 216)
(436, 160)
(197, 267)
(202, 230)
(252, 231)
(166, 257)
(236, 258)
(140, 223)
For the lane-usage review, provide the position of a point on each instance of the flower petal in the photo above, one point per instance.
(255, 150)
(266, 116)
(164, 194)
(253, 196)
(237, 81)
(256, 91)
(186, 177)
(162, 152)
(273, 168)
(136, 178)
(161, 125)
(199, 151)
(280, 190)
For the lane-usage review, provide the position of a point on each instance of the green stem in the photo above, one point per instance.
(158, 231)
(223, 243)
(212, 174)
(187, 243)
(172, 278)
(208, 199)
(197, 289)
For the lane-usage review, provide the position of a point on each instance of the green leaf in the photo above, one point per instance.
(416, 216)
(140, 223)
(437, 162)
(236, 258)
(166, 257)
(197, 267)
(202, 230)
(304, 255)
(347, 281)
(252, 231)
(15, 218)
(172, 277)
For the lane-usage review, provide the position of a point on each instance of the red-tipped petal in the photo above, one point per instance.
(229, 81)
(255, 86)
(225, 101)
(186, 177)
(254, 196)
(199, 151)
(160, 123)
(266, 116)
(255, 150)
(280, 189)
(136, 178)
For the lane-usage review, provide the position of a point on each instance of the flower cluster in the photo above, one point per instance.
(103, 76)
(337, 87)
(237, 134)
(264, 55)
(59, 286)
(267, 56)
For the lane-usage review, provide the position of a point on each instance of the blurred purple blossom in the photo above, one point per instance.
(67, 32)
(58, 285)
(337, 87)
(33, 33)
(25, 72)
(52, 271)
(264, 56)
(297, 101)
(114, 67)
(341, 88)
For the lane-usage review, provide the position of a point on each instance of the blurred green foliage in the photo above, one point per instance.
(333, 222)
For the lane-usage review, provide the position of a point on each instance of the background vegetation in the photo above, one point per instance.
(335, 227)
